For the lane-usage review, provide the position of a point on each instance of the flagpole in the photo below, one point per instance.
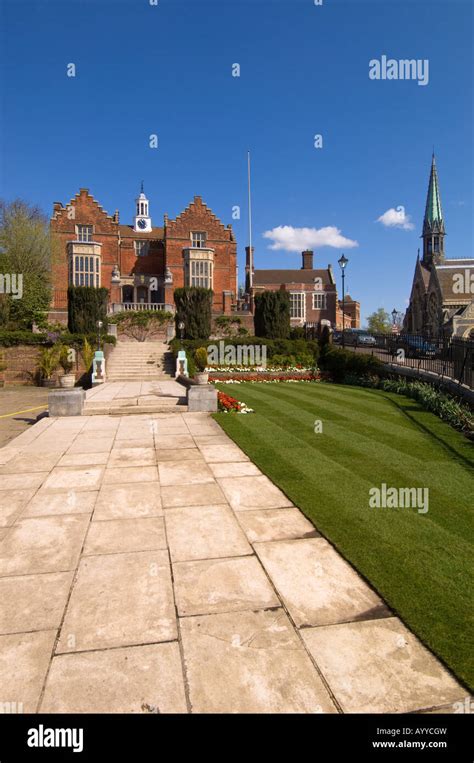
(250, 224)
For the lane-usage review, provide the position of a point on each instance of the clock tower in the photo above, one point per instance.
(142, 217)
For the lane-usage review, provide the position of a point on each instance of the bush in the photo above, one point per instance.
(446, 407)
(200, 359)
(297, 332)
(272, 314)
(48, 361)
(65, 360)
(86, 306)
(193, 308)
(340, 363)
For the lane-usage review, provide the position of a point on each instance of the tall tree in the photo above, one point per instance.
(379, 322)
(26, 251)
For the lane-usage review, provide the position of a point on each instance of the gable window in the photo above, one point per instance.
(85, 270)
(201, 273)
(84, 233)
(319, 301)
(141, 248)
(198, 239)
(297, 304)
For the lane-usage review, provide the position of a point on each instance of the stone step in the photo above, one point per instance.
(133, 410)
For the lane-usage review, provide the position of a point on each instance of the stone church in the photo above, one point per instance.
(442, 294)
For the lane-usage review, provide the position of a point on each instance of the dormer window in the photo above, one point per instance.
(84, 233)
(198, 240)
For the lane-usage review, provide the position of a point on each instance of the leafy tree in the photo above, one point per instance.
(272, 314)
(379, 322)
(26, 251)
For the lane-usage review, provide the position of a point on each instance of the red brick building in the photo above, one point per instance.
(313, 293)
(141, 264)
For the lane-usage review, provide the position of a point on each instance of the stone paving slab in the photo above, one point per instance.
(222, 585)
(161, 562)
(128, 501)
(24, 662)
(116, 536)
(43, 544)
(33, 602)
(187, 472)
(140, 679)
(120, 600)
(11, 504)
(276, 524)
(250, 662)
(378, 666)
(316, 584)
(248, 493)
(214, 531)
(71, 501)
(201, 494)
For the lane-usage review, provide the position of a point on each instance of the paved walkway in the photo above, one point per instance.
(146, 565)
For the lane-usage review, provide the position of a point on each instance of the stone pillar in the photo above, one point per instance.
(227, 302)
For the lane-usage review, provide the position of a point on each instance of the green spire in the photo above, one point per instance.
(433, 212)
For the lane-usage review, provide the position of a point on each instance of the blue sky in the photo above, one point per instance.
(304, 70)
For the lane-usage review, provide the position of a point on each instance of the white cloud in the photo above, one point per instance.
(396, 218)
(297, 239)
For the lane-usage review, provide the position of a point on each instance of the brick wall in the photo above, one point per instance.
(22, 364)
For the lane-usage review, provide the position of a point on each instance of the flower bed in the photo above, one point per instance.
(264, 376)
(228, 404)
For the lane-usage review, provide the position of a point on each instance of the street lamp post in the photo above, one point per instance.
(181, 330)
(342, 264)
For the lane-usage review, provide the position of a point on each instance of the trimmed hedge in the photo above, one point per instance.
(339, 363)
(194, 309)
(86, 305)
(15, 338)
(272, 314)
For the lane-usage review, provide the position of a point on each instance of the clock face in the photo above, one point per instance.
(141, 223)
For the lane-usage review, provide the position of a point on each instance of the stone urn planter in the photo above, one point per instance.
(201, 377)
(67, 381)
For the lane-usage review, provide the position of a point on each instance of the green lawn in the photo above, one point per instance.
(422, 564)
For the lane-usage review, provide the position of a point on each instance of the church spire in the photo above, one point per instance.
(433, 222)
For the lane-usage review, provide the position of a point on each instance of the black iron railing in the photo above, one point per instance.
(451, 357)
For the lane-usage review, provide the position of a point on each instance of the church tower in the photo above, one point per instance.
(433, 223)
(142, 217)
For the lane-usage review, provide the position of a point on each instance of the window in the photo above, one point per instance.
(86, 271)
(201, 273)
(430, 246)
(297, 304)
(84, 233)
(141, 248)
(198, 240)
(319, 301)
(436, 243)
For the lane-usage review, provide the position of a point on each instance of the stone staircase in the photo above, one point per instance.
(139, 361)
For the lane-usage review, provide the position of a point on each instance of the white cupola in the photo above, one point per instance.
(142, 216)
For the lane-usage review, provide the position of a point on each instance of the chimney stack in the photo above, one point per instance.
(307, 260)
